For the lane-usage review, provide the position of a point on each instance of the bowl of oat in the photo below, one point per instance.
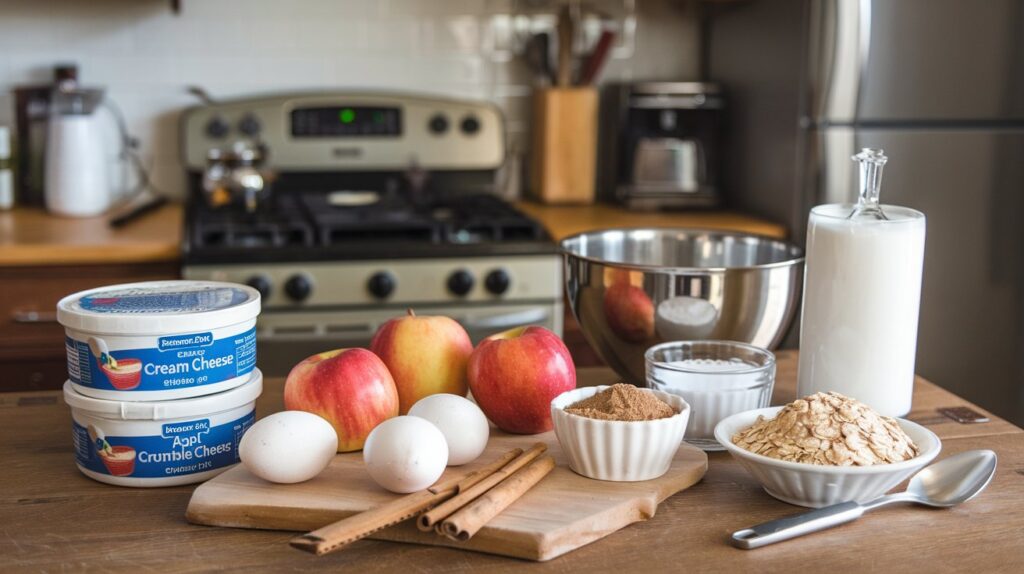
(826, 448)
(619, 433)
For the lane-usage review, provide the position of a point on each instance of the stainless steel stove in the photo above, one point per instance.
(374, 203)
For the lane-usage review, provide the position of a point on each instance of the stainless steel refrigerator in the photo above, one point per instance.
(937, 84)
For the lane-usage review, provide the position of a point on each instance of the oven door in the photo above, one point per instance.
(285, 338)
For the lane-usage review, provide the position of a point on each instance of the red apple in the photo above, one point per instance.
(514, 376)
(426, 355)
(629, 312)
(351, 388)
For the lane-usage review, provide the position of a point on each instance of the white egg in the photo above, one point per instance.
(288, 447)
(462, 423)
(405, 454)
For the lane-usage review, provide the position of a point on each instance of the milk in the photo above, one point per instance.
(862, 293)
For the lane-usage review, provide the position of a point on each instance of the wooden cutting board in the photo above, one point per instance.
(563, 512)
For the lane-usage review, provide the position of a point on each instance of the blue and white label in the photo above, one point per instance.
(178, 361)
(181, 448)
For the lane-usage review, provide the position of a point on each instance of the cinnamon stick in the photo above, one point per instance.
(428, 520)
(357, 526)
(462, 525)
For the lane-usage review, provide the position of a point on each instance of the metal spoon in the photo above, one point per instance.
(946, 483)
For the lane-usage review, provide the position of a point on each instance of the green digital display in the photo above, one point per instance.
(346, 121)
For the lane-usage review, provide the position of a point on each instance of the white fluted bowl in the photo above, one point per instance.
(815, 485)
(622, 451)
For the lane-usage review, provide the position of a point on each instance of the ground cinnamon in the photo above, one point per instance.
(622, 402)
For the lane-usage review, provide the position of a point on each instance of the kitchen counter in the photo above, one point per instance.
(565, 220)
(56, 519)
(30, 237)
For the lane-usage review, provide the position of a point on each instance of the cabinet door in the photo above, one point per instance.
(31, 340)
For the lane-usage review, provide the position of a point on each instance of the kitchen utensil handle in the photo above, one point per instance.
(796, 525)
(594, 63)
(566, 32)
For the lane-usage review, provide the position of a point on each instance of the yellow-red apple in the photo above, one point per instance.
(629, 312)
(351, 388)
(426, 355)
(514, 376)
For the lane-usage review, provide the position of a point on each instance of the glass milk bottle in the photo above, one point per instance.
(862, 293)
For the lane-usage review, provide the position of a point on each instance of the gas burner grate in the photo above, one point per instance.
(346, 233)
(485, 218)
(394, 227)
(281, 224)
(493, 231)
(215, 234)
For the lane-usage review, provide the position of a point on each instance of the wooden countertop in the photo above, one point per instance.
(565, 220)
(54, 518)
(34, 237)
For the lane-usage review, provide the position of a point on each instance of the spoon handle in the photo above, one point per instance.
(796, 525)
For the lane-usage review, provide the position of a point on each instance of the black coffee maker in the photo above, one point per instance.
(661, 144)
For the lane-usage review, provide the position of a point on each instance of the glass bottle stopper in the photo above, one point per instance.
(871, 163)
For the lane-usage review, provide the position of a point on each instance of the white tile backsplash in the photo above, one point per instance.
(146, 56)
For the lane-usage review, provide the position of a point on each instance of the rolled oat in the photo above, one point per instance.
(828, 429)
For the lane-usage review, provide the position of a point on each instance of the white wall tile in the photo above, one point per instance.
(394, 37)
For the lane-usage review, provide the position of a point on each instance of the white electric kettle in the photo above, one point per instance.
(81, 153)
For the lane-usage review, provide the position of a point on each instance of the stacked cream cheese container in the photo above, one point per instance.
(162, 379)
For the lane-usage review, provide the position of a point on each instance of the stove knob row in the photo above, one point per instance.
(298, 288)
(262, 284)
(438, 124)
(461, 282)
(381, 284)
(497, 282)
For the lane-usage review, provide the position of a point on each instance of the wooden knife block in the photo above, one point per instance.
(564, 145)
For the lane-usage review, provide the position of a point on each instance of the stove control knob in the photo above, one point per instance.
(249, 125)
(217, 127)
(470, 125)
(381, 284)
(438, 124)
(262, 284)
(298, 288)
(460, 282)
(497, 282)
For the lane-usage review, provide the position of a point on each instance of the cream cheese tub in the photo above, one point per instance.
(160, 340)
(161, 443)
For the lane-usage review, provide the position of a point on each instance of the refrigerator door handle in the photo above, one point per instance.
(838, 173)
(820, 56)
(863, 51)
(840, 41)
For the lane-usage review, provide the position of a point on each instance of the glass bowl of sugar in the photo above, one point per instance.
(716, 378)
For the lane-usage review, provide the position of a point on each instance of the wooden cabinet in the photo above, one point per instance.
(31, 340)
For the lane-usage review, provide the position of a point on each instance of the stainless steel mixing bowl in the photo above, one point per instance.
(630, 289)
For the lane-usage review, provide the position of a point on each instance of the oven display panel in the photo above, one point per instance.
(346, 121)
